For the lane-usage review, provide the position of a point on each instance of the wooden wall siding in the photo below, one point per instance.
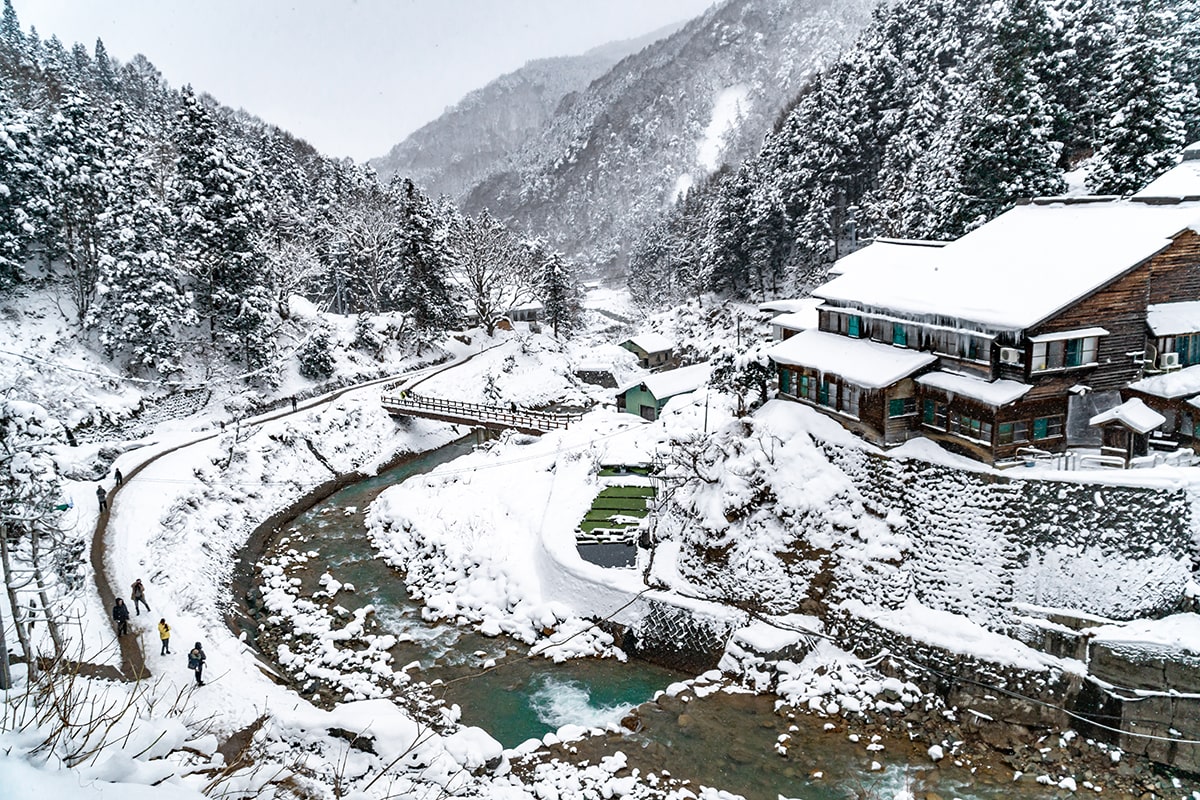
(1119, 308)
(1175, 272)
(898, 430)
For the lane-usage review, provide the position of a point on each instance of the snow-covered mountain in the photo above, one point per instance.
(617, 152)
(474, 137)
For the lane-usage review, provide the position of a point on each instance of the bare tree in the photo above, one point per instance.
(493, 268)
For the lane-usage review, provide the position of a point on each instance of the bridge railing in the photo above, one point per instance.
(395, 398)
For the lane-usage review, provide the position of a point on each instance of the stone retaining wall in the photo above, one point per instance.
(982, 542)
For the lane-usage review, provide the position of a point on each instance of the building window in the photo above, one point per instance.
(1012, 432)
(899, 334)
(970, 428)
(902, 406)
(934, 414)
(1047, 427)
(854, 326)
(850, 395)
(1065, 353)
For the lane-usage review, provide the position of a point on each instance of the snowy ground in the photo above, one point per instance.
(487, 540)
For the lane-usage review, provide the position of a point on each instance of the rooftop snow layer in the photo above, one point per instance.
(1133, 414)
(675, 381)
(889, 254)
(1182, 180)
(869, 364)
(1168, 319)
(1172, 384)
(1021, 267)
(993, 393)
(651, 342)
(786, 305)
(797, 320)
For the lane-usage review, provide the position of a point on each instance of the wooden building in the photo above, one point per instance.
(1015, 336)
(652, 349)
(647, 397)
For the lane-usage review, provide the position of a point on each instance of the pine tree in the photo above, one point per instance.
(423, 291)
(1144, 131)
(1009, 153)
(143, 307)
(221, 218)
(558, 290)
(19, 185)
(78, 195)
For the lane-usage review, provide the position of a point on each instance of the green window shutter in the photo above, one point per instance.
(928, 412)
(1041, 427)
(854, 326)
(785, 381)
(896, 407)
(899, 335)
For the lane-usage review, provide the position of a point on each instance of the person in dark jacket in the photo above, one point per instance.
(117, 477)
(102, 496)
(121, 616)
(138, 594)
(196, 659)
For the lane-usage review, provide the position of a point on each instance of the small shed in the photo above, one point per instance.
(529, 312)
(1127, 427)
(652, 349)
(647, 397)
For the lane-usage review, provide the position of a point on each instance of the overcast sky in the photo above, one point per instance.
(353, 77)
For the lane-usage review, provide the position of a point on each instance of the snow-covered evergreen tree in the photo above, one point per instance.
(1009, 152)
(557, 289)
(1144, 130)
(221, 217)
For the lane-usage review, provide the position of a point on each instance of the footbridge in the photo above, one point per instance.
(400, 402)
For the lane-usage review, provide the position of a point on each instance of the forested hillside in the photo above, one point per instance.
(461, 147)
(615, 155)
(943, 114)
(170, 231)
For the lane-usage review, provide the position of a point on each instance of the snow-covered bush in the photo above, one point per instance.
(316, 356)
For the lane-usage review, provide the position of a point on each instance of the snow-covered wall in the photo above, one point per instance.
(786, 512)
(982, 542)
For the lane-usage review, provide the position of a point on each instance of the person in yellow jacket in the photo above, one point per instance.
(164, 633)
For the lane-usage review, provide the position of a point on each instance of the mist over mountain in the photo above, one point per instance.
(618, 151)
(451, 154)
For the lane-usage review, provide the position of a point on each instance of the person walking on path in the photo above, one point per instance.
(102, 496)
(164, 633)
(293, 403)
(118, 477)
(196, 661)
(139, 597)
(121, 616)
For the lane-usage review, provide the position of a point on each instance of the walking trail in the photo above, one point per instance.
(133, 662)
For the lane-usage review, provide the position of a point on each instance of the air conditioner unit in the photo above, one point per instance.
(1168, 361)
(1010, 355)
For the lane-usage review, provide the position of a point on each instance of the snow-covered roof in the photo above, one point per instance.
(675, 381)
(1182, 180)
(534, 305)
(1171, 384)
(886, 254)
(650, 342)
(868, 364)
(785, 305)
(797, 320)
(1133, 414)
(1034, 260)
(1168, 319)
(992, 393)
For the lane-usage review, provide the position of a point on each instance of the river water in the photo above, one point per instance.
(724, 740)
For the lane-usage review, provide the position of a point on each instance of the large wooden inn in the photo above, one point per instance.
(1065, 322)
